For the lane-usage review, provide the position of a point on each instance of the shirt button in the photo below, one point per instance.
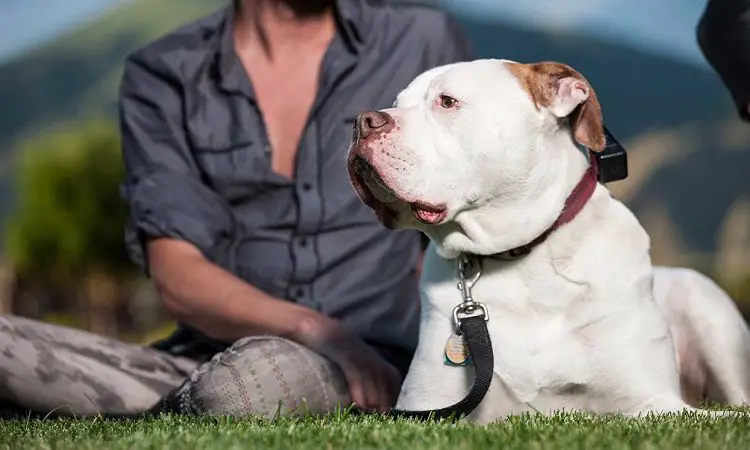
(306, 186)
(299, 293)
(302, 242)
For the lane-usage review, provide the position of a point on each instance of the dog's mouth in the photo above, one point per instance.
(387, 204)
(428, 214)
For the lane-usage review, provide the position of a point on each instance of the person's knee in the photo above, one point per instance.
(14, 344)
(265, 376)
(7, 325)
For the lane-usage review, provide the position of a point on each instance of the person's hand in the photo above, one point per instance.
(374, 384)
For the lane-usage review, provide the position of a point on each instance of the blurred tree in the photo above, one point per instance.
(65, 234)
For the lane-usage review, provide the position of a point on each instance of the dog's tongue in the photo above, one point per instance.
(427, 215)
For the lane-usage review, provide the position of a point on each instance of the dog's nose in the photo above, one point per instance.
(370, 121)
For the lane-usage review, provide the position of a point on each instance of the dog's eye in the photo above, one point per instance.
(447, 102)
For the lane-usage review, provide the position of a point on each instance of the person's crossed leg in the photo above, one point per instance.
(53, 370)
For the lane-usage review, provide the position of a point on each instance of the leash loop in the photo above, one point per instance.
(469, 270)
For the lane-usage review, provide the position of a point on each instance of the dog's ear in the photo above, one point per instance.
(566, 94)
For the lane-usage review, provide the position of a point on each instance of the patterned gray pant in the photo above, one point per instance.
(51, 369)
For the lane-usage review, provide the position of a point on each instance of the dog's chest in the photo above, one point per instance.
(533, 317)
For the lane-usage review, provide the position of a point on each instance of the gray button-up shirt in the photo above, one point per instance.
(199, 167)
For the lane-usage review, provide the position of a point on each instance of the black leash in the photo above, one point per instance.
(470, 321)
(474, 330)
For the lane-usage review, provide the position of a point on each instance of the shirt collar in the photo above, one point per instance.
(352, 21)
(351, 27)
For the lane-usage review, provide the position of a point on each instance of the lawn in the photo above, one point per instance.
(343, 431)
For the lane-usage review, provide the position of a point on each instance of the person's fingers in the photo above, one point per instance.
(382, 390)
(356, 385)
(394, 384)
(372, 390)
(390, 384)
(385, 392)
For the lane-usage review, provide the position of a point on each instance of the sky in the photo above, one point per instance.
(660, 26)
(27, 23)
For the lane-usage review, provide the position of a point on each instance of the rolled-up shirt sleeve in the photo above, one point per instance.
(163, 186)
(724, 38)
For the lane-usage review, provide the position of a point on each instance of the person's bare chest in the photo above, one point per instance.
(285, 91)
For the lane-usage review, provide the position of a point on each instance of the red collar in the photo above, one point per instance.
(573, 205)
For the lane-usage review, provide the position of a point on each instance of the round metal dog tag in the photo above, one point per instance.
(456, 351)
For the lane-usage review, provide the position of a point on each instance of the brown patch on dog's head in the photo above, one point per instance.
(543, 82)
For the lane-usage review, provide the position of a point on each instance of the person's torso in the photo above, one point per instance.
(309, 239)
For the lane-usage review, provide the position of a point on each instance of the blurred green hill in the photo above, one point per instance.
(690, 155)
(77, 75)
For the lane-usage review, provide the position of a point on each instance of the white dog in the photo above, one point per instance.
(482, 156)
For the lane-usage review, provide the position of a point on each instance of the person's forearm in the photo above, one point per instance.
(219, 304)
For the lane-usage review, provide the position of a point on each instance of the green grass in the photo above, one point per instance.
(342, 431)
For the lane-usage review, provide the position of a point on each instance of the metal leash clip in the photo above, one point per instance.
(466, 281)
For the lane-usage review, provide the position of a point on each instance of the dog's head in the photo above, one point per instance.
(472, 143)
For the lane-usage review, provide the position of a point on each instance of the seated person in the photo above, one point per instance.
(287, 289)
